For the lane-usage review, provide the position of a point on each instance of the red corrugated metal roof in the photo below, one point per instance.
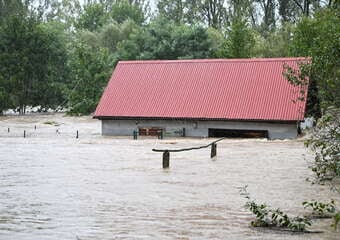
(245, 89)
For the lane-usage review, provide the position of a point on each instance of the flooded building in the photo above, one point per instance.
(202, 98)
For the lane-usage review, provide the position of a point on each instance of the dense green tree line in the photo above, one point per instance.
(60, 53)
(318, 38)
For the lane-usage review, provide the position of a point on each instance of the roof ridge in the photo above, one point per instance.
(213, 60)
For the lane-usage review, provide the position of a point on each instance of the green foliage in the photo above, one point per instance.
(288, 10)
(276, 43)
(299, 224)
(303, 40)
(268, 22)
(123, 10)
(298, 77)
(64, 12)
(336, 221)
(267, 217)
(5, 101)
(240, 41)
(216, 40)
(318, 38)
(320, 208)
(172, 10)
(31, 54)
(91, 68)
(111, 34)
(163, 40)
(325, 141)
(11, 7)
(93, 17)
(214, 13)
(91, 39)
(190, 42)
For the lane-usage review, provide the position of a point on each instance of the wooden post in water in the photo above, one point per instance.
(77, 136)
(183, 132)
(160, 134)
(166, 159)
(166, 152)
(213, 150)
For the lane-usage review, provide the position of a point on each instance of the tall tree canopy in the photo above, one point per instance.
(31, 53)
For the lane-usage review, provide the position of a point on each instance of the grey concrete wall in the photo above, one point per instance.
(196, 128)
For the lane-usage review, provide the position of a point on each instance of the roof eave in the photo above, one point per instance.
(194, 119)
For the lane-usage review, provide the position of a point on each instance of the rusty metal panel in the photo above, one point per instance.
(244, 89)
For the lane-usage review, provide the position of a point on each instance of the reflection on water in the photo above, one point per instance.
(54, 186)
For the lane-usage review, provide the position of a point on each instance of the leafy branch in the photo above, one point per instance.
(267, 217)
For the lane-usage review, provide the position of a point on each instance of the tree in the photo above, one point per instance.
(164, 40)
(190, 42)
(318, 38)
(182, 11)
(172, 10)
(268, 23)
(193, 12)
(288, 11)
(92, 18)
(62, 11)
(58, 73)
(89, 38)
(111, 34)
(240, 41)
(276, 44)
(123, 10)
(216, 40)
(30, 56)
(214, 13)
(5, 101)
(10, 7)
(242, 9)
(91, 68)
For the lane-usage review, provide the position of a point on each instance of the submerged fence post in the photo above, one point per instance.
(166, 152)
(213, 150)
(160, 134)
(166, 159)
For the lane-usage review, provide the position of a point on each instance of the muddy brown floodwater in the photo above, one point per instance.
(54, 186)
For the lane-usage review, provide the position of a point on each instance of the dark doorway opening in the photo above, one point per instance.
(237, 133)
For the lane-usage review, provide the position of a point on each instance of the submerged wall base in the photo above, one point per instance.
(196, 128)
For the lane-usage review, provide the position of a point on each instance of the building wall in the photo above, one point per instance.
(196, 128)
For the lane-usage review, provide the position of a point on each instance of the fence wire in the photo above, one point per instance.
(36, 132)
